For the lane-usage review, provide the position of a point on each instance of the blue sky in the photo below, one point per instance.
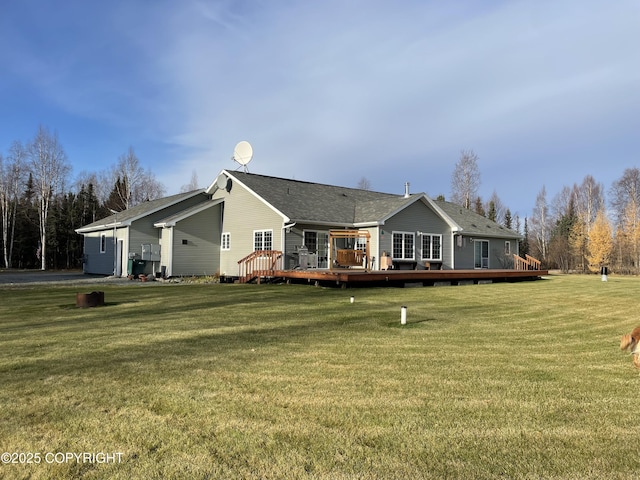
(544, 92)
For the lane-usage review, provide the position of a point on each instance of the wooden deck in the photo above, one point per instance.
(398, 278)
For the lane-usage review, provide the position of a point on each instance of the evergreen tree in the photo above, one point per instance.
(492, 214)
(479, 207)
(27, 231)
(507, 219)
(524, 243)
(115, 201)
(560, 252)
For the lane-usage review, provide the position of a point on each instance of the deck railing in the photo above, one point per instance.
(259, 264)
(527, 263)
(535, 263)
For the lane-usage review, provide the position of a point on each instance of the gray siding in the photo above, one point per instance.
(242, 214)
(464, 254)
(200, 255)
(143, 232)
(417, 217)
(94, 261)
(294, 239)
(497, 258)
(140, 232)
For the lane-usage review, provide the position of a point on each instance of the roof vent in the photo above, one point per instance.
(406, 190)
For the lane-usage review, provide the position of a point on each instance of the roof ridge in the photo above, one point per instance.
(312, 183)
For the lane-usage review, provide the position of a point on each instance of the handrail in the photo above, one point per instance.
(520, 263)
(527, 263)
(535, 263)
(260, 263)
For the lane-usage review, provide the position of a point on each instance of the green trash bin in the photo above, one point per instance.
(135, 266)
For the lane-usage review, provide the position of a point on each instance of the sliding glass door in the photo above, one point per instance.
(481, 254)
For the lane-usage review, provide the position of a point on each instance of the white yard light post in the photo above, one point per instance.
(352, 299)
(604, 271)
(403, 315)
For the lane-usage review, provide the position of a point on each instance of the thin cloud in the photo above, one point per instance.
(334, 91)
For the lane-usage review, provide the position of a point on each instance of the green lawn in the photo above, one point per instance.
(522, 380)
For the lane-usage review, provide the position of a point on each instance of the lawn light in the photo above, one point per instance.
(352, 299)
(403, 315)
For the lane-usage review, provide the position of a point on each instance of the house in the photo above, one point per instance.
(309, 225)
(129, 239)
(412, 230)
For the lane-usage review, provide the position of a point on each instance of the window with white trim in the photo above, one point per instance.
(507, 247)
(225, 242)
(262, 240)
(403, 245)
(431, 246)
(103, 243)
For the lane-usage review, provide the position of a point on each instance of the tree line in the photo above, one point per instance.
(580, 229)
(41, 208)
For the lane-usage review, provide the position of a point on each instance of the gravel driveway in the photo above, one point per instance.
(19, 277)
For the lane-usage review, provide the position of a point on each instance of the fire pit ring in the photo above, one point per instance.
(93, 299)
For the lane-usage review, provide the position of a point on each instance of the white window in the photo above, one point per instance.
(226, 241)
(103, 243)
(507, 247)
(431, 247)
(262, 240)
(403, 246)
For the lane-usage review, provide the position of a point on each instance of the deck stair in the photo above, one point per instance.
(526, 263)
(259, 265)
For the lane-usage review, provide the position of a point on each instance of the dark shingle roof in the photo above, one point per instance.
(318, 203)
(472, 223)
(138, 211)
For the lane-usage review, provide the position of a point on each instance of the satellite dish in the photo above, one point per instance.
(222, 182)
(243, 153)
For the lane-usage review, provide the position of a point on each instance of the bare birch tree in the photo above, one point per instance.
(364, 183)
(625, 201)
(136, 184)
(101, 182)
(540, 226)
(48, 164)
(625, 192)
(466, 179)
(589, 201)
(12, 173)
(193, 183)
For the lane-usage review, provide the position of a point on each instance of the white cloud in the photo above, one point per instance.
(333, 90)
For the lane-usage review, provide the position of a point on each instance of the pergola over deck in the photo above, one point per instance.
(349, 257)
